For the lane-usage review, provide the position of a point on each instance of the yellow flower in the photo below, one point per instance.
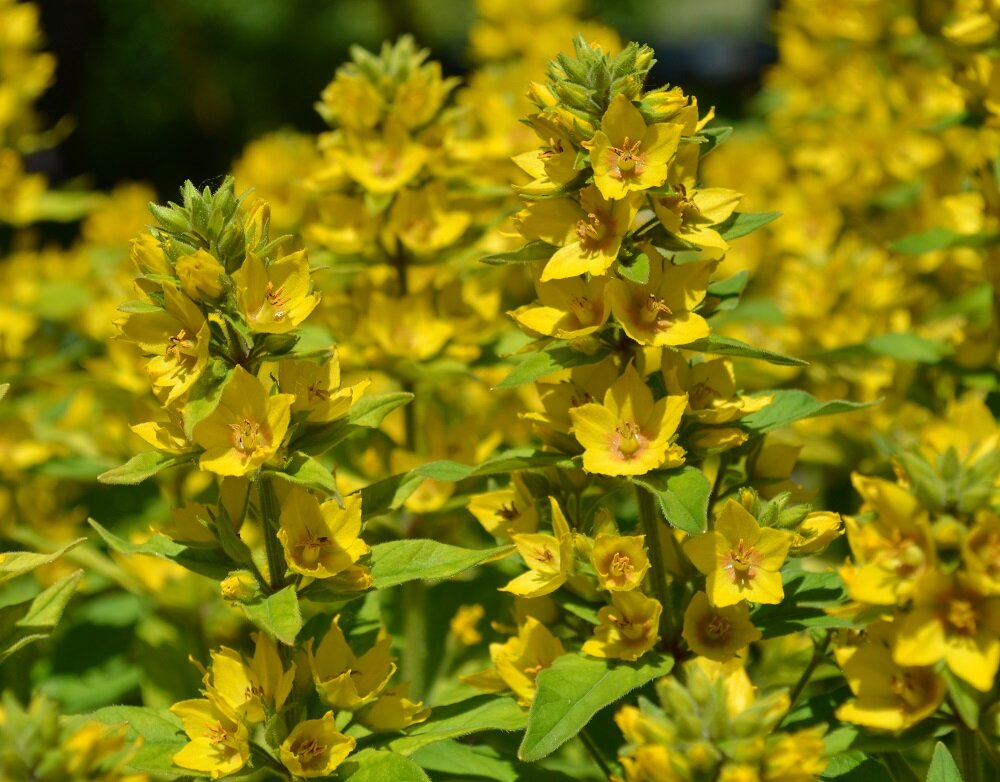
(816, 532)
(981, 553)
(951, 621)
(343, 680)
(887, 696)
(742, 560)
(233, 681)
(796, 757)
(567, 309)
(891, 552)
(386, 164)
(393, 711)
(314, 748)
(549, 557)
(629, 434)
(317, 389)
(201, 276)
(220, 744)
(343, 224)
(410, 327)
(275, 299)
(711, 388)
(178, 335)
(518, 661)
(588, 234)
(320, 540)
(620, 561)
(627, 154)
(463, 624)
(628, 628)
(505, 512)
(690, 217)
(245, 429)
(420, 218)
(659, 313)
(718, 633)
(554, 165)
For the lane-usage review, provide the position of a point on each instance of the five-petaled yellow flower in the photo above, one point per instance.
(321, 540)
(549, 557)
(314, 748)
(275, 298)
(718, 633)
(620, 561)
(245, 429)
(628, 628)
(629, 434)
(741, 559)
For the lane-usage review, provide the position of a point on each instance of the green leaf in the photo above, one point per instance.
(714, 137)
(726, 346)
(965, 698)
(380, 766)
(367, 413)
(558, 355)
(943, 767)
(637, 271)
(730, 287)
(204, 395)
(139, 306)
(474, 715)
(161, 733)
(529, 253)
(683, 496)
(504, 462)
(16, 563)
(279, 614)
(793, 405)
(941, 239)
(456, 759)
(572, 690)
(389, 494)
(24, 623)
(399, 561)
(741, 223)
(204, 561)
(807, 596)
(908, 347)
(303, 470)
(143, 466)
(370, 409)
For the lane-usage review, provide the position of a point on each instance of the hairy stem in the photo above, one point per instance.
(270, 511)
(649, 516)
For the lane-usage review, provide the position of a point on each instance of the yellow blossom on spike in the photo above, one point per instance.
(627, 154)
(659, 313)
(275, 298)
(718, 633)
(796, 757)
(816, 531)
(566, 309)
(691, 215)
(505, 512)
(888, 696)
(741, 559)
(890, 552)
(554, 164)
(320, 540)
(620, 561)
(314, 748)
(343, 224)
(274, 681)
(201, 276)
(386, 164)
(711, 388)
(628, 628)
(317, 388)
(343, 680)
(629, 434)
(234, 682)
(393, 710)
(219, 745)
(423, 221)
(952, 621)
(981, 553)
(463, 624)
(518, 661)
(548, 557)
(245, 429)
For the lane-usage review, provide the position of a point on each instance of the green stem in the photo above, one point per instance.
(899, 769)
(595, 753)
(968, 754)
(991, 751)
(270, 512)
(650, 518)
(818, 655)
(415, 629)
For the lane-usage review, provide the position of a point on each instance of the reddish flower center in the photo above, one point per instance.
(246, 436)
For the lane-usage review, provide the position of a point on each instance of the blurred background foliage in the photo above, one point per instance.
(162, 91)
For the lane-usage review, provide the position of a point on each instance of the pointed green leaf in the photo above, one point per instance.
(473, 715)
(573, 689)
(24, 623)
(943, 767)
(370, 409)
(529, 253)
(16, 563)
(794, 405)
(637, 271)
(941, 239)
(206, 561)
(279, 614)
(399, 561)
(683, 497)
(380, 766)
(389, 494)
(741, 223)
(143, 466)
(303, 470)
(726, 346)
(559, 355)
(504, 462)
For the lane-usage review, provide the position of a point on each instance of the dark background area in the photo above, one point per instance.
(166, 90)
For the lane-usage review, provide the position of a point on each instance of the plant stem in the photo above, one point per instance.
(819, 653)
(899, 769)
(595, 753)
(269, 511)
(968, 753)
(650, 517)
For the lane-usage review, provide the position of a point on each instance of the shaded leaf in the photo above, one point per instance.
(279, 614)
(399, 561)
(742, 223)
(806, 596)
(389, 494)
(794, 405)
(558, 355)
(482, 712)
(303, 470)
(16, 563)
(161, 732)
(726, 346)
(533, 251)
(143, 466)
(380, 766)
(204, 561)
(33, 620)
(941, 239)
(683, 497)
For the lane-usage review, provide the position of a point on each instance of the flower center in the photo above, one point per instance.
(555, 148)
(628, 439)
(701, 396)
(621, 566)
(741, 562)
(628, 156)
(312, 547)
(246, 436)
(907, 687)
(718, 627)
(655, 312)
(582, 308)
(630, 629)
(277, 299)
(179, 347)
(308, 748)
(962, 616)
(317, 392)
(508, 513)
(216, 733)
(593, 232)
